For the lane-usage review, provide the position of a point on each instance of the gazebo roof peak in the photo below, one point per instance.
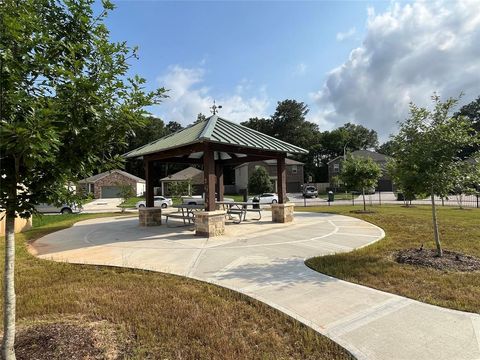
(216, 129)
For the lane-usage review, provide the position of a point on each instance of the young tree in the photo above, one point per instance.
(259, 182)
(467, 181)
(427, 149)
(359, 173)
(404, 179)
(65, 105)
(126, 192)
(471, 111)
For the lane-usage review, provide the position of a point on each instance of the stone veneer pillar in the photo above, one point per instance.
(282, 213)
(150, 216)
(210, 223)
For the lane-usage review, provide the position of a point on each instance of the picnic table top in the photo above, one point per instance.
(237, 203)
(189, 206)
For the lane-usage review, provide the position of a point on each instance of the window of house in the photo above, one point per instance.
(336, 168)
(294, 169)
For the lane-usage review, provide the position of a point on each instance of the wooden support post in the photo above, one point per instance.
(149, 182)
(281, 180)
(209, 178)
(220, 188)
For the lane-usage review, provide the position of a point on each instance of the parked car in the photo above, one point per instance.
(310, 191)
(265, 198)
(158, 201)
(194, 200)
(45, 208)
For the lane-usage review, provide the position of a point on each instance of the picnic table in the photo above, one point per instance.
(240, 209)
(184, 212)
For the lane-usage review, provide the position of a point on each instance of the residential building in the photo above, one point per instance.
(192, 176)
(109, 184)
(294, 170)
(385, 182)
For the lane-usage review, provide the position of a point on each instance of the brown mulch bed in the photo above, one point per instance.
(428, 258)
(66, 340)
(363, 212)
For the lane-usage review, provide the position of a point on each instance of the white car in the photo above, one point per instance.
(158, 201)
(45, 208)
(266, 198)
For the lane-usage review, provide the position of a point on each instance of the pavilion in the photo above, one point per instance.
(214, 143)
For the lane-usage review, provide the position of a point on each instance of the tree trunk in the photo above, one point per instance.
(8, 342)
(364, 204)
(435, 227)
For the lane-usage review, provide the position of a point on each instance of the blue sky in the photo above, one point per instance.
(248, 55)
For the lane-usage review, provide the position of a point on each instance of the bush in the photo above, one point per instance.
(259, 182)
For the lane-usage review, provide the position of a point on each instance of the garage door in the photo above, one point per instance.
(385, 185)
(111, 191)
(293, 187)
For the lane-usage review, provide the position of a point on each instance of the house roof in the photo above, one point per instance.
(189, 173)
(95, 178)
(217, 130)
(274, 162)
(366, 154)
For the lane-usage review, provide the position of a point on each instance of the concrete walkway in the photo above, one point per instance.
(266, 261)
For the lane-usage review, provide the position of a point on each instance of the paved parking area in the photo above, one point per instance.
(266, 261)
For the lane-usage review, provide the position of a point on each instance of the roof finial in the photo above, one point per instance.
(214, 108)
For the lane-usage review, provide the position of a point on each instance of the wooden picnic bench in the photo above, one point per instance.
(240, 209)
(185, 212)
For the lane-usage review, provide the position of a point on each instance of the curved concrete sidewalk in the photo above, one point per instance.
(266, 262)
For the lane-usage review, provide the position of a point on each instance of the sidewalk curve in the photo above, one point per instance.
(266, 261)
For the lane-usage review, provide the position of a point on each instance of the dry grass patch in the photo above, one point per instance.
(408, 228)
(162, 316)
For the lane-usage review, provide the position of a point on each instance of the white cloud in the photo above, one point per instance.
(409, 52)
(347, 34)
(188, 97)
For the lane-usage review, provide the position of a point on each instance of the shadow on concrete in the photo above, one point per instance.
(280, 273)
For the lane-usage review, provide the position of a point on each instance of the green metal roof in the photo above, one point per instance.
(218, 130)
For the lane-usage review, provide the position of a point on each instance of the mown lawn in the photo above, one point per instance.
(160, 316)
(408, 228)
(338, 196)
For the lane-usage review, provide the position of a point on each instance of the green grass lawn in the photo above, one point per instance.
(338, 196)
(159, 316)
(374, 266)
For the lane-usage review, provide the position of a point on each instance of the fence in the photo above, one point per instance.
(380, 198)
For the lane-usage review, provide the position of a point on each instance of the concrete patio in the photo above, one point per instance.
(265, 260)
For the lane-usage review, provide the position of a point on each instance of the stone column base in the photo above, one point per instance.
(210, 223)
(150, 216)
(282, 213)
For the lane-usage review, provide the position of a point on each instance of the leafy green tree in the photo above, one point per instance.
(347, 138)
(471, 111)
(179, 188)
(386, 148)
(359, 173)
(289, 124)
(260, 124)
(427, 149)
(259, 182)
(405, 180)
(200, 117)
(468, 180)
(150, 130)
(65, 106)
(126, 192)
(173, 126)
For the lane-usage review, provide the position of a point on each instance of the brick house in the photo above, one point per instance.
(294, 174)
(384, 183)
(108, 184)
